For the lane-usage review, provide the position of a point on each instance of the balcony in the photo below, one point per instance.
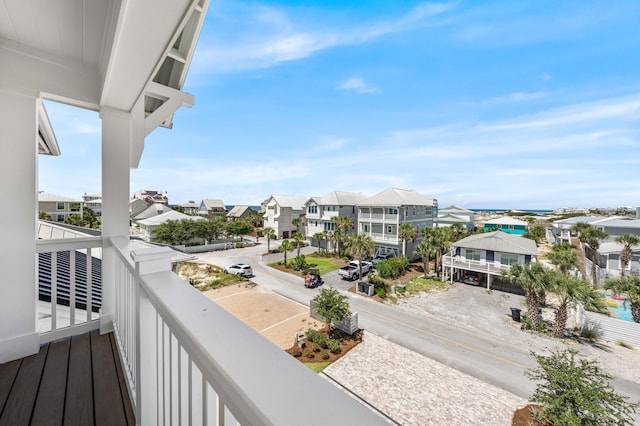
(459, 262)
(181, 359)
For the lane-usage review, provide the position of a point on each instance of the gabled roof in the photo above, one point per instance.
(398, 197)
(190, 205)
(506, 220)
(342, 198)
(238, 211)
(48, 197)
(452, 218)
(585, 219)
(619, 223)
(212, 204)
(167, 216)
(151, 211)
(499, 241)
(293, 201)
(455, 209)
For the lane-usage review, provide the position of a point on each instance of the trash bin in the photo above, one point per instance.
(515, 314)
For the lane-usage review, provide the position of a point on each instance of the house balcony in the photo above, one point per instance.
(459, 262)
(384, 238)
(177, 357)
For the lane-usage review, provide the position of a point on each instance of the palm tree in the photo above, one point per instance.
(532, 278)
(319, 236)
(570, 290)
(269, 233)
(406, 232)
(581, 228)
(628, 241)
(441, 239)
(425, 251)
(297, 222)
(593, 236)
(298, 240)
(343, 223)
(336, 237)
(285, 247)
(359, 246)
(327, 236)
(629, 286)
(457, 231)
(563, 256)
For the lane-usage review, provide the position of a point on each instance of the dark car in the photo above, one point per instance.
(471, 278)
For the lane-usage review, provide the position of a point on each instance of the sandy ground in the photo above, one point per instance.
(276, 318)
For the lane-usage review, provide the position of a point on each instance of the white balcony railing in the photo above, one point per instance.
(494, 268)
(69, 286)
(188, 361)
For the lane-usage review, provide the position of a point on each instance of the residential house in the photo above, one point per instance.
(212, 208)
(488, 254)
(561, 229)
(94, 202)
(321, 212)
(136, 206)
(455, 214)
(280, 212)
(380, 217)
(128, 61)
(240, 212)
(609, 264)
(151, 211)
(151, 196)
(506, 224)
(190, 207)
(58, 207)
(148, 225)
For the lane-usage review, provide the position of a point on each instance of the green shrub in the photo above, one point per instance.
(591, 331)
(324, 354)
(316, 347)
(239, 245)
(296, 352)
(393, 267)
(299, 263)
(334, 346)
(380, 292)
(308, 354)
(527, 324)
(313, 334)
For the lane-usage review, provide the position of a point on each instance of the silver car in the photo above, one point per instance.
(239, 269)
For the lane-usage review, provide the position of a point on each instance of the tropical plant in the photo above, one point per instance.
(628, 241)
(406, 232)
(440, 238)
(563, 256)
(269, 233)
(629, 286)
(425, 251)
(537, 232)
(297, 222)
(458, 231)
(319, 236)
(593, 236)
(299, 239)
(359, 246)
(331, 306)
(570, 290)
(580, 228)
(532, 278)
(344, 223)
(336, 237)
(576, 392)
(238, 228)
(285, 247)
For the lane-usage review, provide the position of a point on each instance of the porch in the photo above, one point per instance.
(452, 265)
(77, 380)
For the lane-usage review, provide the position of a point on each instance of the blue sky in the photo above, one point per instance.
(492, 104)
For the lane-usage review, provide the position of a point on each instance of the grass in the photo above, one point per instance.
(624, 344)
(317, 366)
(323, 265)
(420, 284)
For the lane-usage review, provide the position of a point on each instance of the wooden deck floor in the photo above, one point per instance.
(75, 381)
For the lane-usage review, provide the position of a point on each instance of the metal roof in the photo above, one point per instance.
(499, 241)
(506, 220)
(395, 197)
(339, 198)
(294, 201)
(167, 216)
(48, 197)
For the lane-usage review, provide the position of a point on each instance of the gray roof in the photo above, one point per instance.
(452, 218)
(453, 209)
(339, 198)
(238, 211)
(151, 211)
(506, 220)
(585, 219)
(293, 201)
(210, 204)
(499, 241)
(397, 197)
(190, 205)
(167, 216)
(620, 223)
(48, 197)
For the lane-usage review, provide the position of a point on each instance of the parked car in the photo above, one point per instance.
(239, 269)
(352, 270)
(471, 278)
(380, 257)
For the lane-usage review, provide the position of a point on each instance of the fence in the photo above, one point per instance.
(612, 329)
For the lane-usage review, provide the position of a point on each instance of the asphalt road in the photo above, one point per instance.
(492, 360)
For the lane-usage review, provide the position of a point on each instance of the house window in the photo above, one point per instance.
(60, 206)
(392, 211)
(60, 218)
(329, 226)
(313, 208)
(471, 254)
(365, 228)
(511, 227)
(414, 211)
(389, 229)
(508, 259)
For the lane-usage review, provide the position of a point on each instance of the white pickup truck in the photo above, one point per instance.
(352, 270)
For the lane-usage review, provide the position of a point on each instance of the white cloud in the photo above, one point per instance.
(517, 97)
(270, 36)
(358, 85)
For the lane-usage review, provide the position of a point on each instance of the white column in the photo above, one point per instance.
(18, 287)
(116, 138)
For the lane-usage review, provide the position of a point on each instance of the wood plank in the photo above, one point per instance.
(108, 408)
(49, 407)
(124, 390)
(79, 400)
(19, 406)
(8, 373)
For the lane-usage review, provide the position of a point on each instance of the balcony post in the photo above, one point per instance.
(116, 142)
(18, 287)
